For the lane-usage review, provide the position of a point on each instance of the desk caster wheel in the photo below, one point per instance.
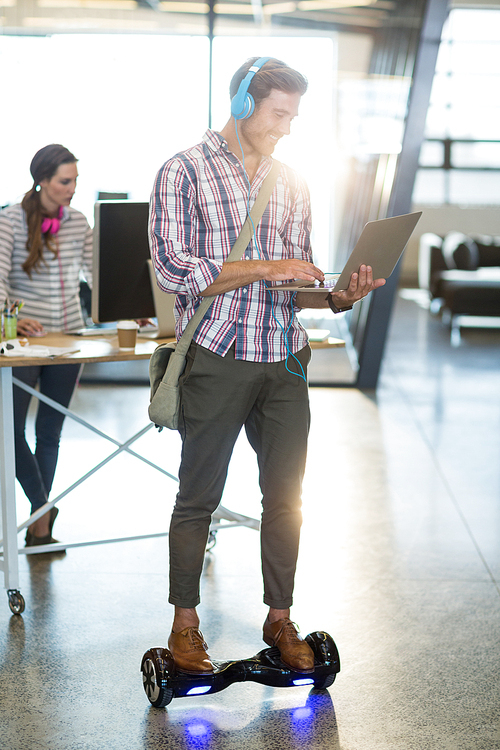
(156, 667)
(212, 540)
(16, 601)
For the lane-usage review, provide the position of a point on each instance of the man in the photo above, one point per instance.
(248, 360)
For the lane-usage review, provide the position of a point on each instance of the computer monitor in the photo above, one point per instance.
(102, 195)
(123, 281)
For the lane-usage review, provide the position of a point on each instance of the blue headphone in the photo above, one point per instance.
(242, 104)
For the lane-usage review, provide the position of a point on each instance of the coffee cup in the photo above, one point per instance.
(127, 334)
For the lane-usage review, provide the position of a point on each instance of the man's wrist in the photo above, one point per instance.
(333, 306)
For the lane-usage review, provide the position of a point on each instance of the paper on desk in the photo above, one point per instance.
(13, 348)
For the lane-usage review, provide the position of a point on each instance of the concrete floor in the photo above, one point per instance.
(400, 562)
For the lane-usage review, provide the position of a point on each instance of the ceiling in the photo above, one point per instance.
(227, 16)
(191, 16)
(334, 14)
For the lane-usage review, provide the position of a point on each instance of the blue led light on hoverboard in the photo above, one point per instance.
(198, 690)
(303, 681)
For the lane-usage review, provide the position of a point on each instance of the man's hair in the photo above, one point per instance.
(274, 74)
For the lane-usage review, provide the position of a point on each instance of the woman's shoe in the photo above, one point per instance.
(34, 541)
(29, 536)
(52, 517)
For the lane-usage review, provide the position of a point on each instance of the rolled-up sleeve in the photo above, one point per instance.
(173, 234)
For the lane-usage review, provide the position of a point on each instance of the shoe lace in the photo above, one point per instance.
(290, 629)
(197, 639)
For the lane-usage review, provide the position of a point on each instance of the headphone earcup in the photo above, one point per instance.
(245, 109)
(242, 107)
(242, 104)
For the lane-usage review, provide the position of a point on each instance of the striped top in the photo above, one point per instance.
(52, 295)
(197, 209)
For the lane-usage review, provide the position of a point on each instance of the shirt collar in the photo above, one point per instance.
(216, 143)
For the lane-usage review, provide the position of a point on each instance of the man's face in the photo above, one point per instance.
(271, 120)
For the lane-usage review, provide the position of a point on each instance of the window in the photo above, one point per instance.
(460, 157)
(124, 104)
(118, 102)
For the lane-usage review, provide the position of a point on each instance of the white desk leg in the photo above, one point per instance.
(10, 562)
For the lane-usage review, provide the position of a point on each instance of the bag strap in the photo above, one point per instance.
(237, 251)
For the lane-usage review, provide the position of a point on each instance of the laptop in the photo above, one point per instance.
(380, 246)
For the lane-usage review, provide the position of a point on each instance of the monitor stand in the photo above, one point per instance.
(164, 309)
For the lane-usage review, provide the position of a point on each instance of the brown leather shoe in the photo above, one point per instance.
(295, 652)
(188, 648)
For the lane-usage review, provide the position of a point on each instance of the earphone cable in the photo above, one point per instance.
(300, 374)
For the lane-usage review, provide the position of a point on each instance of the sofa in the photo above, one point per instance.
(461, 274)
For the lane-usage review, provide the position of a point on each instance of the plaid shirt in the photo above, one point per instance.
(197, 209)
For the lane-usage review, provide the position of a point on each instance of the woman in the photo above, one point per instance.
(44, 247)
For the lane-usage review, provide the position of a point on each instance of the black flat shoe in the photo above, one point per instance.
(52, 517)
(34, 541)
(29, 536)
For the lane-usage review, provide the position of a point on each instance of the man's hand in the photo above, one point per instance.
(243, 272)
(284, 270)
(360, 285)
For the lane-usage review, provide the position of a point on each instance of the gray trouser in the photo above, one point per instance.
(219, 396)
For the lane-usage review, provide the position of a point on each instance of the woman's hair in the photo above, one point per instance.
(44, 165)
(274, 74)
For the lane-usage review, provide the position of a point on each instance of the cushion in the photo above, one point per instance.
(489, 250)
(460, 252)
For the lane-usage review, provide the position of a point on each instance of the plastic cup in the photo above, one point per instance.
(9, 326)
(127, 334)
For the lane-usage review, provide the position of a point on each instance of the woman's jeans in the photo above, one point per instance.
(35, 471)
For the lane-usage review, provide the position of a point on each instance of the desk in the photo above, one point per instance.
(96, 349)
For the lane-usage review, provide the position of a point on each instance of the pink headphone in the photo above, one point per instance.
(52, 225)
